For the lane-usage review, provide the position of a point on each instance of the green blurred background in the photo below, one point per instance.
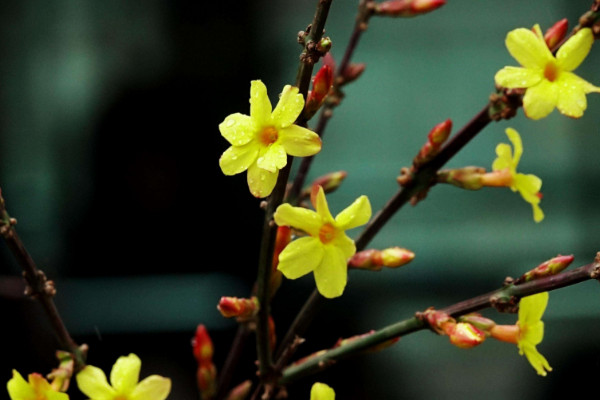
(108, 158)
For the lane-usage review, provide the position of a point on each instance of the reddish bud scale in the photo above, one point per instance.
(206, 377)
(407, 8)
(437, 320)
(435, 139)
(240, 392)
(470, 178)
(202, 346)
(236, 307)
(481, 323)
(464, 335)
(555, 34)
(547, 268)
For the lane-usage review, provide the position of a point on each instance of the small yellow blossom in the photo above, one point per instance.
(549, 80)
(321, 391)
(37, 388)
(528, 185)
(327, 248)
(124, 385)
(531, 330)
(261, 141)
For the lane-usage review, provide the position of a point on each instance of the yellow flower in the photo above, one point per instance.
(124, 385)
(528, 185)
(37, 388)
(531, 330)
(321, 391)
(261, 142)
(548, 79)
(327, 250)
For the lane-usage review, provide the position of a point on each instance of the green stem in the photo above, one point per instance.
(505, 296)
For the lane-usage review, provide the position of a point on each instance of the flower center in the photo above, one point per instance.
(121, 397)
(268, 135)
(551, 71)
(327, 233)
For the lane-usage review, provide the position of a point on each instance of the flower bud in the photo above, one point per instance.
(407, 8)
(202, 345)
(206, 377)
(240, 392)
(556, 33)
(465, 335)
(374, 260)
(272, 333)
(282, 239)
(551, 267)
(235, 307)
(322, 82)
(435, 139)
(353, 71)
(469, 178)
(481, 323)
(438, 321)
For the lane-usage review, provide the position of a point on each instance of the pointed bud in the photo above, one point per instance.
(506, 333)
(353, 71)
(551, 267)
(465, 335)
(202, 345)
(329, 182)
(438, 320)
(375, 260)
(556, 33)
(282, 239)
(407, 8)
(481, 323)
(324, 45)
(435, 139)
(469, 178)
(240, 392)
(322, 82)
(272, 333)
(243, 309)
(206, 377)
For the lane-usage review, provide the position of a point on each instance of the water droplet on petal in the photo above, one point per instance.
(230, 123)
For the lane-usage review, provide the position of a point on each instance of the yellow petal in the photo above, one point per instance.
(290, 105)
(299, 218)
(321, 391)
(237, 129)
(538, 31)
(517, 77)
(345, 244)
(273, 159)
(540, 100)
(18, 388)
(125, 373)
(300, 257)
(538, 214)
(515, 139)
(154, 387)
(237, 159)
(571, 98)
(299, 142)
(356, 214)
(92, 382)
(331, 274)
(260, 181)
(575, 50)
(527, 48)
(322, 208)
(531, 308)
(537, 361)
(530, 185)
(504, 159)
(260, 106)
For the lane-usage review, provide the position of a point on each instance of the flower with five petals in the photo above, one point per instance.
(261, 142)
(506, 165)
(327, 248)
(124, 385)
(37, 388)
(548, 80)
(321, 391)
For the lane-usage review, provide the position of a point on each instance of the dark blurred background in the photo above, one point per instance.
(109, 152)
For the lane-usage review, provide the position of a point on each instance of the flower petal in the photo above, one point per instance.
(125, 373)
(572, 53)
(237, 129)
(531, 308)
(237, 159)
(537, 361)
(299, 141)
(540, 100)
(300, 257)
(92, 382)
(504, 159)
(321, 391)
(154, 387)
(331, 274)
(527, 48)
(299, 218)
(322, 208)
(273, 159)
(18, 388)
(530, 185)
(260, 181)
(517, 77)
(571, 98)
(356, 214)
(260, 106)
(290, 105)
(345, 244)
(515, 139)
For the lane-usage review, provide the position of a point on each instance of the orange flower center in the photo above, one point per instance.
(326, 233)
(551, 71)
(268, 135)
(120, 397)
